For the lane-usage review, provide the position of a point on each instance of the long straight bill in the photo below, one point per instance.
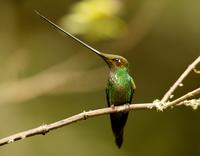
(68, 34)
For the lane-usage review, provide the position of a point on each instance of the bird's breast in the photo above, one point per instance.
(119, 90)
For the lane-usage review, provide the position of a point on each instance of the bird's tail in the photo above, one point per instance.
(118, 121)
(119, 140)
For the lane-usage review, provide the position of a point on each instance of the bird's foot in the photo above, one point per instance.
(112, 106)
(127, 107)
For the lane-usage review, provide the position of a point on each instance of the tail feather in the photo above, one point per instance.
(118, 121)
(119, 140)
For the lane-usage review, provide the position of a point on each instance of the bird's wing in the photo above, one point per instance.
(133, 87)
(107, 96)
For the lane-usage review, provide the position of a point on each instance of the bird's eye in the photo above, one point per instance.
(117, 60)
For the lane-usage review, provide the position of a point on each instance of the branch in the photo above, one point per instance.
(197, 71)
(186, 96)
(85, 115)
(179, 81)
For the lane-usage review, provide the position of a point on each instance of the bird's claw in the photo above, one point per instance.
(127, 107)
(112, 106)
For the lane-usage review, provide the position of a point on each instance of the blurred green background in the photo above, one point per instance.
(46, 76)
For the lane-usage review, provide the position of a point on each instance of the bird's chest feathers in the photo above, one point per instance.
(119, 79)
(119, 86)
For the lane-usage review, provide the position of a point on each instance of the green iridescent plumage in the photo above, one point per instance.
(120, 87)
(119, 91)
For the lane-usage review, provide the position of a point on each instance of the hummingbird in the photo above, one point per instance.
(120, 86)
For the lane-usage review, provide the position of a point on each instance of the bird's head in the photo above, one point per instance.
(114, 61)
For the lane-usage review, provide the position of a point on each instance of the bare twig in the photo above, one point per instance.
(197, 71)
(179, 81)
(186, 96)
(84, 115)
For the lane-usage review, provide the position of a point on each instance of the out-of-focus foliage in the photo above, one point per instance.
(45, 76)
(95, 19)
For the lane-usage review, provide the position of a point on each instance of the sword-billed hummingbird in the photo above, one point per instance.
(120, 86)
